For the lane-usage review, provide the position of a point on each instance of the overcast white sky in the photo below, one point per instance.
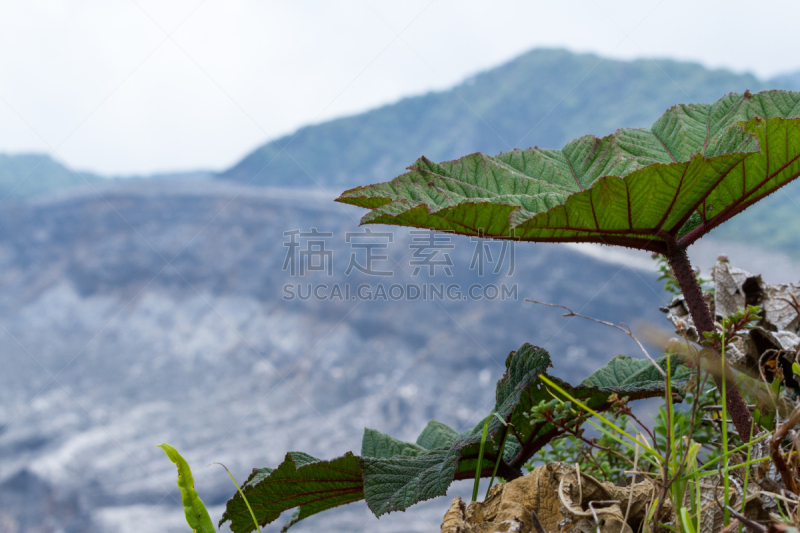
(123, 86)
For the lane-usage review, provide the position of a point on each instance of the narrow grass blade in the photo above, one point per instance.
(747, 470)
(670, 417)
(242, 495)
(708, 465)
(583, 406)
(699, 501)
(686, 522)
(740, 465)
(497, 462)
(480, 460)
(725, 479)
(650, 512)
(589, 410)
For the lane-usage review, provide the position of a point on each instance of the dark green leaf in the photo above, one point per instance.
(396, 483)
(301, 480)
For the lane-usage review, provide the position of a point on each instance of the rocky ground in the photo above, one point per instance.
(153, 311)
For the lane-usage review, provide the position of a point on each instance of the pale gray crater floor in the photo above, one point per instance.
(152, 313)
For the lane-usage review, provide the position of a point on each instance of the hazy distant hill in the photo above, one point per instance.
(28, 175)
(543, 98)
(25, 176)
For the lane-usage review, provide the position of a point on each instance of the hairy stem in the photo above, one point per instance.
(703, 321)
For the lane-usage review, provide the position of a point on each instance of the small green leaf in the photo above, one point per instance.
(775, 387)
(376, 444)
(437, 435)
(196, 514)
(480, 460)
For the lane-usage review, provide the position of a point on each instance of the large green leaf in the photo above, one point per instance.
(633, 188)
(301, 480)
(196, 514)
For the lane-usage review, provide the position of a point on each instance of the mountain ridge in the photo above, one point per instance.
(545, 97)
(485, 112)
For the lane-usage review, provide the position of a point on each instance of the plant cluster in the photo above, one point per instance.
(597, 456)
(659, 189)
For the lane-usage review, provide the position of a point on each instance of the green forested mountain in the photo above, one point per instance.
(543, 98)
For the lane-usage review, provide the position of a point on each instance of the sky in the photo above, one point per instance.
(135, 87)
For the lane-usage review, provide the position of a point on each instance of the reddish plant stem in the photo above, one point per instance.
(703, 321)
(775, 450)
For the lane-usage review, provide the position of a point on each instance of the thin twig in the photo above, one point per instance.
(604, 502)
(650, 433)
(589, 456)
(575, 434)
(775, 450)
(633, 482)
(778, 496)
(794, 303)
(626, 330)
(746, 522)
